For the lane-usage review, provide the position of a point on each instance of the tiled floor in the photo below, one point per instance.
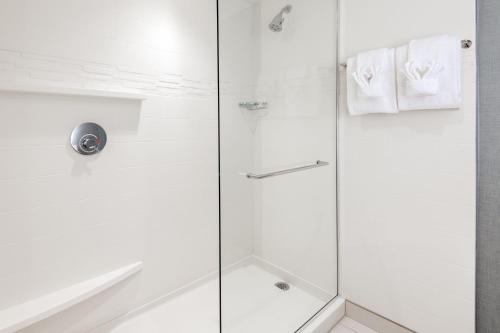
(251, 303)
(347, 325)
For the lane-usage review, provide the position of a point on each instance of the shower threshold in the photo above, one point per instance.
(250, 303)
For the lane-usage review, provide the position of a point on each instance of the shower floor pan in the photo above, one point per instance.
(251, 303)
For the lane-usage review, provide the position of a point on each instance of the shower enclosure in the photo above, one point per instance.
(174, 206)
(277, 115)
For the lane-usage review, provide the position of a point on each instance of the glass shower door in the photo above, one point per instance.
(277, 159)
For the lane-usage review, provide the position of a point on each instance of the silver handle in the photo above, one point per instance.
(317, 164)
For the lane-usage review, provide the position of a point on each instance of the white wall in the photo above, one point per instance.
(151, 195)
(407, 182)
(296, 221)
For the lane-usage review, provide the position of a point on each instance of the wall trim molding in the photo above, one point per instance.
(373, 320)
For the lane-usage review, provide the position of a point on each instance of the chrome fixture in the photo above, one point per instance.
(276, 24)
(253, 105)
(317, 164)
(466, 43)
(88, 139)
(282, 285)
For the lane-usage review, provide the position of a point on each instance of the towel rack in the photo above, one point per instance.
(466, 44)
(316, 164)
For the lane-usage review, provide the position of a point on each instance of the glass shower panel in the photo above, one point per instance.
(278, 162)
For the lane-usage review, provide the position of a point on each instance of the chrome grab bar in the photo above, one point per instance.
(317, 164)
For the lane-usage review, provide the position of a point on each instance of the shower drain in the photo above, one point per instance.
(282, 285)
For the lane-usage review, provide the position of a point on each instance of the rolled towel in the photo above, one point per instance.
(369, 80)
(429, 74)
(371, 83)
(422, 78)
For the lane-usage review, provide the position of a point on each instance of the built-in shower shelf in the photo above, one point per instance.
(71, 91)
(23, 315)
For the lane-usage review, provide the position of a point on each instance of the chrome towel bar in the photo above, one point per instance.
(317, 164)
(465, 43)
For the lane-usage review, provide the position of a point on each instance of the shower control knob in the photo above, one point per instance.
(88, 139)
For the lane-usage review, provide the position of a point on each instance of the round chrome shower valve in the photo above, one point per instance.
(88, 139)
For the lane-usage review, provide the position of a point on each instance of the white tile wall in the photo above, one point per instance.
(407, 182)
(151, 195)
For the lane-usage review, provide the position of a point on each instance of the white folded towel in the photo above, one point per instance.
(371, 83)
(429, 74)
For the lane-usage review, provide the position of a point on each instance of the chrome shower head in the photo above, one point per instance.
(276, 24)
